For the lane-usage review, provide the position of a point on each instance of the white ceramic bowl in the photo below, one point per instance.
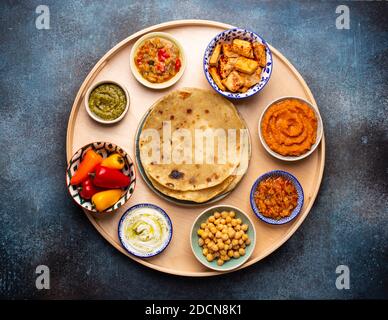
(94, 116)
(314, 146)
(136, 72)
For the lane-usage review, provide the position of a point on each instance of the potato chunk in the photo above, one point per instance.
(215, 55)
(251, 79)
(227, 50)
(226, 66)
(234, 81)
(246, 65)
(260, 56)
(213, 72)
(243, 48)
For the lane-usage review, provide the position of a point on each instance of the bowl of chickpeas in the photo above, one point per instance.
(223, 237)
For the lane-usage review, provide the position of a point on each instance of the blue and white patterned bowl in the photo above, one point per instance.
(226, 37)
(129, 211)
(105, 149)
(299, 189)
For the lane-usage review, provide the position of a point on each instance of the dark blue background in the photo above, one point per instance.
(41, 71)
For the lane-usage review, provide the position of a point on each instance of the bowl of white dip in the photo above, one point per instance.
(145, 230)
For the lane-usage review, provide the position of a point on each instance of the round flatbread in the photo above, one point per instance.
(178, 127)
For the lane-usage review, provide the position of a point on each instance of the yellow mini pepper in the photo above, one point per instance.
(114, 161)
(105, 199)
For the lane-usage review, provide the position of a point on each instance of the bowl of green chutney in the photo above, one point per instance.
(107, 101)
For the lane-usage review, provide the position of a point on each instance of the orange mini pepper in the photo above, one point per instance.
(87, 165)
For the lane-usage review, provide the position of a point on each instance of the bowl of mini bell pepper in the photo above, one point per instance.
(100, 177)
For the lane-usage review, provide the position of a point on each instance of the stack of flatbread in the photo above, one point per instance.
(176, 148)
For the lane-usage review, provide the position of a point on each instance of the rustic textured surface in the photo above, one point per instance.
(41, 71)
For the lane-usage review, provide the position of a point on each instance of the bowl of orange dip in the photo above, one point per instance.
(290, 128)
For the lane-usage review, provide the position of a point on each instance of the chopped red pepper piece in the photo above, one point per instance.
(178, 64)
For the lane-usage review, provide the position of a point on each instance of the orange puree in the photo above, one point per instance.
(289, 127)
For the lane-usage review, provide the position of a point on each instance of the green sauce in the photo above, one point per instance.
(107, 101)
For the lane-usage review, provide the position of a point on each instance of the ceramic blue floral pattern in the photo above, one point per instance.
(227, 37)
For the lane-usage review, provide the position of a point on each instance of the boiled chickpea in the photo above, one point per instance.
(216, 254)
(219, 227)
(199, 232)
(201, 242)
(210, 225)
(231, 233)
(224, 214)
(218, 234)
(248, 242)
(238, 235)
(232, 214)
(224, 231)
(223, 252)
(234, 222)
(204, 235)
(244, 227)
(237, 228)
(243, 246)
(234, 242)
(220, 245)
(217, 215)
(207, 240)
(223, 221)
(205, 251)
(211, 219)
(209, 257)
(227, 241)
(220, 262)
(215, 247)
(213, 230)
(225, 257)
(225, 237)
(203, 225)
(210, 235)
(236, 247)
(240, 242)
(241, 251)
(239, 221)
(228, 219)
(226, 247)
(236, 254)
(244, 237)
(230, 253)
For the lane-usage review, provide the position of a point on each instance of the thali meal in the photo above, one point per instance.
(99, 180)
(145, 230)
(276, 197)
(222, 237)
(237, 66)
(158, 59)
(192, 111)
(289, 127)
(107, 101)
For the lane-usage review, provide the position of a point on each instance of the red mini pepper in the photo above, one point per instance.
(88, 190)
(110, 178)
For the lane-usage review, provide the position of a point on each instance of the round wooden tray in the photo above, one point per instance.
(194, 36)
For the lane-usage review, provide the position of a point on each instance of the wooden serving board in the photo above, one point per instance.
(194, 36)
